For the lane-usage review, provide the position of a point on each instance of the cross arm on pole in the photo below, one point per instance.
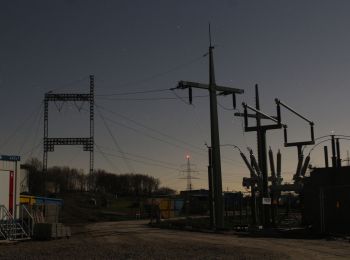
(261, 113)
(253, 116)
(279, 102)
(224, 90)
(311, 123)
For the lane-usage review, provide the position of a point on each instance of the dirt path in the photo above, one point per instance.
(134, 240)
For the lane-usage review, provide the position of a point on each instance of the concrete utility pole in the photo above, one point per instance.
(215, 139)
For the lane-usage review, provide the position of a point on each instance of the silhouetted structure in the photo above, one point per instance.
(326, 200)
(86, 142)
(215, 139)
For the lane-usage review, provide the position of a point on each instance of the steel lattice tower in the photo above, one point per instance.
(189, 177)
(86, 142)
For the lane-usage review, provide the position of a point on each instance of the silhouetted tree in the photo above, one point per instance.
(65, 179)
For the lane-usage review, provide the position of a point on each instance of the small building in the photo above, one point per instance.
(326, 200)
(9, 183)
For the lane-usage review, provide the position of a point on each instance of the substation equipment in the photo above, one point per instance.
(270, 187)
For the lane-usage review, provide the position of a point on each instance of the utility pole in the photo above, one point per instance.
(210, 188)
(214, 125)
(334, 155)
(338, 153)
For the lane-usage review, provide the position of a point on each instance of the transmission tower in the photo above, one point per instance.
(189, 177)
(86, 142)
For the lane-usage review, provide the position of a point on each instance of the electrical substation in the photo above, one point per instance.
(317, 200)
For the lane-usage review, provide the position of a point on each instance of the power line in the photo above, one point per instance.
(70, 83)
(107, 159)
(115, 140)
(198, 150)
(21, 125)
(38, 116)
(149, 129)
(142, 157)
(36, 134)
(139, 161)
(160, 74)
(225, 108)
(34, 148)
(149, 99)
(133, 92)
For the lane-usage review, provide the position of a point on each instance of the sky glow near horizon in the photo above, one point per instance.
(296, 51)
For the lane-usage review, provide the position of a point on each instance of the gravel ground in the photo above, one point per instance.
(135, 240)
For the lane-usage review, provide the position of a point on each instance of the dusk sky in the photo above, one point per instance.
(296, 50)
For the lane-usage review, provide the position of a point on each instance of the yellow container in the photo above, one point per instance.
(25, 199)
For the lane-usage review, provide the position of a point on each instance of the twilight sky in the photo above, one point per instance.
(297, 51)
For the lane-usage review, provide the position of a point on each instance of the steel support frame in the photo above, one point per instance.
(86, 142)
(261, 130)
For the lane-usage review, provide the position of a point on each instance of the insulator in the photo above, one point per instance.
(299, 166)
(306, 164)
(255, 164)
(272, 164)
(279, 164)
(247, 163)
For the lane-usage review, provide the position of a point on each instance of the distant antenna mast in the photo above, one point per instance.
(189, 177)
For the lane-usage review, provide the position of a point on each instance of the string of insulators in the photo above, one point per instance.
(279, 163)
(251, 170)
(255, 164)
(305, 166)
(299, 166)
(272, 163)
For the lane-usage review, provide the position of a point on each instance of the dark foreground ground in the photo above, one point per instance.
(135, 240)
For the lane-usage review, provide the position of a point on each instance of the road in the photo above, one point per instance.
(135, 240)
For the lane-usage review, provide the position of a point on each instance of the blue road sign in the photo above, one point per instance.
(11, 158)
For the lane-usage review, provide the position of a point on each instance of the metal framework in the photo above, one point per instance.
(299, 144)
(261, 142)
(86, 142)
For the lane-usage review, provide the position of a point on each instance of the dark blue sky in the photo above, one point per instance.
(296, 50)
